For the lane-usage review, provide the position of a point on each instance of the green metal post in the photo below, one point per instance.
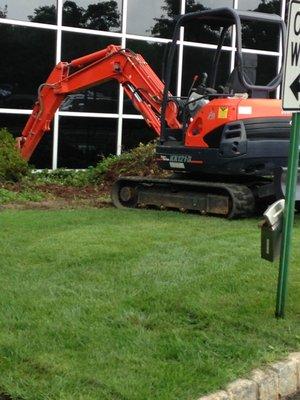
(288, 218)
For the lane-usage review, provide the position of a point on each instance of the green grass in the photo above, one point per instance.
(136, 305)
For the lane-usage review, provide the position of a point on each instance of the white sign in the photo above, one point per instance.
(291, 77)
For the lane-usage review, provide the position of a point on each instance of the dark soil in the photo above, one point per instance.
(56, 204)
(72, 193)
(63, 191)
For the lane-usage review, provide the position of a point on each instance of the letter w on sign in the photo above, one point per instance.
(295, 53)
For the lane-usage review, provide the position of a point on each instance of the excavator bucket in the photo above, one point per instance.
(280, 183)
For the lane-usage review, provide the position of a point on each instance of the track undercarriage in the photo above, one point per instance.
(230, 200)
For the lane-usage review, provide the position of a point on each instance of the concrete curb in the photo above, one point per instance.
(279, 380)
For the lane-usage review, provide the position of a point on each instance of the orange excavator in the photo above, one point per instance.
(223, 144)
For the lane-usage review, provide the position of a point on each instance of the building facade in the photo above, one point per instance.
(36, 34)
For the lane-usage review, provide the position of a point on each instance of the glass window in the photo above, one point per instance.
(85, 141)
(42, 156)
(199, 5)
(159, 15)
(153, 53)
(152, 18)
(268, 6)
(202, 33)
(103, 15)
(100, 98)
(43, 11)
(196, 61)
(258, 35)
(28, 55)
(135, 131)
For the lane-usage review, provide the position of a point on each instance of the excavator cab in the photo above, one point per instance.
(238, 82)
(232, 132)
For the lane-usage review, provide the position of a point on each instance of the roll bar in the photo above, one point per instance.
(223, 17)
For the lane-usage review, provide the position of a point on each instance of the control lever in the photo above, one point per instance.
(203, 79)
(201, 88)
(192, 85)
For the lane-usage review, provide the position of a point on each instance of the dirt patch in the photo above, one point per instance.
(57, 196)
(71, 192)
(62, 191)
(57, 204)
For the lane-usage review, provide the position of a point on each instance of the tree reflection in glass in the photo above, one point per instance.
(97, 15)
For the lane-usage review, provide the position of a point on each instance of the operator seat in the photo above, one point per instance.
(234, 84)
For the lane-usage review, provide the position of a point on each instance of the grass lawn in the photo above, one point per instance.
(136, 305)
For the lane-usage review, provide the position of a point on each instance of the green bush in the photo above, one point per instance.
(8, 196)
(60, 176)
(12, 166)
(139, 161)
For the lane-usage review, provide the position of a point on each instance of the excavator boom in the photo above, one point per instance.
(139, 81)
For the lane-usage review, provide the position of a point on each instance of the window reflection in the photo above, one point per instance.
(85, 141)
(28, 55)
(157, 17)
(93, 14)
(201, 33)
(101, 98)
(258, 35)
(207, 4)
(153, 53)
(135, 131)
(197, 61)
(43, 11)
(42, 156)
(268, 6)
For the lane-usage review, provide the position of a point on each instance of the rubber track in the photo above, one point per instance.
(242, 199)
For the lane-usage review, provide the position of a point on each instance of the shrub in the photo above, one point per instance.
(60, 176)
(12, 166)
(139, 161)
(8, 196)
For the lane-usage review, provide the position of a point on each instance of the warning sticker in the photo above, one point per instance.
(223, 112)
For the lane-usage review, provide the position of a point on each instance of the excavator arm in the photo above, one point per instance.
(139, 81)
